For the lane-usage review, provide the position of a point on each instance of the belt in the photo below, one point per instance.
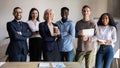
(103, 45)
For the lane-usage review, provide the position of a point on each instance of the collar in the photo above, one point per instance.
(65, 21)
(18, 20)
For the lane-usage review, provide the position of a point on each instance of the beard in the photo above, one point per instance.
(18, 18)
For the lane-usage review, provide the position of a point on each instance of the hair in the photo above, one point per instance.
(47, 11)
(30, 17)
(64, 8)
(16, 8)
(111, 20)
(85, 6)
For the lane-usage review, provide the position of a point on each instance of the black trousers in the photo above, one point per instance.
(35, 48)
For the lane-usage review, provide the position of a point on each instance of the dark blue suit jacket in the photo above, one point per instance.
(18, 43)
(49, 41)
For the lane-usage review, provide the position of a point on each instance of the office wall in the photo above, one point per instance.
(113, 8)
(6, 8)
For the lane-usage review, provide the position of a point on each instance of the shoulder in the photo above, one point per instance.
(42, 24)
(78, 22)
(54, 24)
(25, 23)
(93, 23)
(11, 22)
(69, 20)
(58, 22)
(112, 28)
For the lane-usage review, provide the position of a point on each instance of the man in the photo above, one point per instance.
(85, 46)
(18, 32)
(67, 30)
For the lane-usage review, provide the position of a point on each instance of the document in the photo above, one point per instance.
(88, 32)
(58, 64)
(44, 65)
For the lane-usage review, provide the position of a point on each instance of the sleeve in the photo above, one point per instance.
(13, 33)
(71, 33)
(114, 35)
(76, 30)
(28, 32)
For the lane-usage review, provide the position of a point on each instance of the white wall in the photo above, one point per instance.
(6, 8)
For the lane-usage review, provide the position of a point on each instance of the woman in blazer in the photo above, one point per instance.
(49, 32)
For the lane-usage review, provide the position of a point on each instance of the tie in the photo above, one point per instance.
(20, 24)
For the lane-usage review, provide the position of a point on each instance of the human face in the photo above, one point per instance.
(34, 14)
(18, 14)
(105, 20)
(86, 12)
(49, 16)
(64, 14)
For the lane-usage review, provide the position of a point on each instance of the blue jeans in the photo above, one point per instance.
(67, 56)
(104, 56)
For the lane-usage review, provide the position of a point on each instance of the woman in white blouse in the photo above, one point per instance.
(35, 42)
(107, 37)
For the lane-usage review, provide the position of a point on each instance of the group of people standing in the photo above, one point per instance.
(45, 36)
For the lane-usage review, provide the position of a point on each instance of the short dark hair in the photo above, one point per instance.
(64, 8)
(32, 9)
(85, 6)
(16, 8)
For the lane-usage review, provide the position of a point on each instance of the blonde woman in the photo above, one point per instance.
(49, 35)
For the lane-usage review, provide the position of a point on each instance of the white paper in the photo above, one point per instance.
(58, 64)
(44, 64)
(88, 32)
(2, 63)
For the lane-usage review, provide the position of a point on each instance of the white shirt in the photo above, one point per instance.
(107, 33)
(51, 30)
(34, 27)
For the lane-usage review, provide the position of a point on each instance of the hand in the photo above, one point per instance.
(57, 32)
(100, 42)
(108, 42)
(84, 38)
(19, 33)
(80, 32)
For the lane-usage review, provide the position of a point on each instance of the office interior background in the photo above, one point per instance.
(97, 6)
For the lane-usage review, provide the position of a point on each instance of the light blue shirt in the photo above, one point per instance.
(67, 31)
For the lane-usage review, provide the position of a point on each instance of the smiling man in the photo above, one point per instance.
(18, 32)
(67, 30)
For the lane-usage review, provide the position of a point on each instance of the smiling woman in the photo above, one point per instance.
(98, 7)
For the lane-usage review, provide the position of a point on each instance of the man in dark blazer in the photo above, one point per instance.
(18, 32)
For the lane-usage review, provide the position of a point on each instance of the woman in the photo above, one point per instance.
(35, 42)
(49, 35)
(106, 38)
